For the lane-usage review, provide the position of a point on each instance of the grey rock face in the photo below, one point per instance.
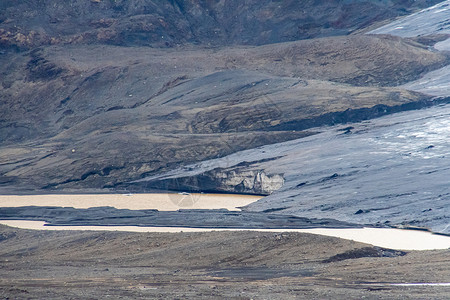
(252, 181)
(227, 180)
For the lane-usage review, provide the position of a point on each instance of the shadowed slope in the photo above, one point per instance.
(27, 24)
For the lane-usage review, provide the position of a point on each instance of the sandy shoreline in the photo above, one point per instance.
(161, 202)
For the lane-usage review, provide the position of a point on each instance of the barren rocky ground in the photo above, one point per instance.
(95, 94)
(216, 265)
(28, 24)
(64, 108)
(104, 96)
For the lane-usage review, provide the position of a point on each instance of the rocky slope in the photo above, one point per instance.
(143, 94)
(92, 108)
(100, 116)
(27, 24)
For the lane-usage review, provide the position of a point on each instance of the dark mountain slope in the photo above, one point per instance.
(82, 113)
(47, 90)
(27, 24)
(196, 119)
